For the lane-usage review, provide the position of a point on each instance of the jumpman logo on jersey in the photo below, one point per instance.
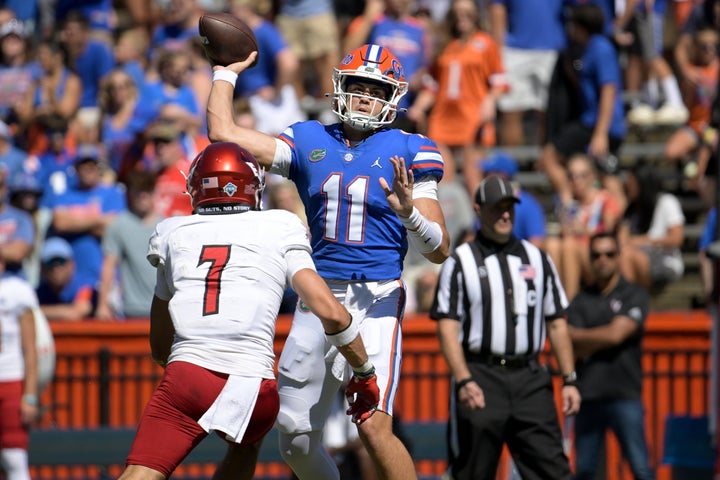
(376, 163)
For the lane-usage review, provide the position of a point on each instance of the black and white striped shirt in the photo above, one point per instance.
(501, 294)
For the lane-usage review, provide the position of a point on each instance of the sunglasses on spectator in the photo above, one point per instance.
(609, 254)
(55, 262)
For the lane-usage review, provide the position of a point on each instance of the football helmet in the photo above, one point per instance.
(225, 173)
(372, 64)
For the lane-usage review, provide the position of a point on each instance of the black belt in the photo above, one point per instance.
(503, 361)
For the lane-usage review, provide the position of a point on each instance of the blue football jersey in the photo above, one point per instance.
(355, 235)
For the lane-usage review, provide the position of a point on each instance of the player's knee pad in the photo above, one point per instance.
(307, 457)
(15, 463)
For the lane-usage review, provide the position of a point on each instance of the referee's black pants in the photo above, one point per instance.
(520, 411)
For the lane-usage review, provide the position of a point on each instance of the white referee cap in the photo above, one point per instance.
(494, 189)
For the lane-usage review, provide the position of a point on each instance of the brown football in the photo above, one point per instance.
(226, 39)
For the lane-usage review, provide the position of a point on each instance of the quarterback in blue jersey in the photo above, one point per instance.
(369, 192)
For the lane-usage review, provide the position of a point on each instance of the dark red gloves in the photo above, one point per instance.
(363, 396)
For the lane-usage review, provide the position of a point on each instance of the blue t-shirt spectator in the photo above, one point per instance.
(270, 43)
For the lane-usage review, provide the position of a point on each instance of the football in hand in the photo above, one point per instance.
(226, 39)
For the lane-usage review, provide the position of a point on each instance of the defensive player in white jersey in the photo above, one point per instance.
(221, 274)
(368, 191)
(18, 374)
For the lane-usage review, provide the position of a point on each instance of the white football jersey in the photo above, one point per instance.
(225, 276)
(16, 296)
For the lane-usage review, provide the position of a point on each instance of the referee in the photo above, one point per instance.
(497, 300)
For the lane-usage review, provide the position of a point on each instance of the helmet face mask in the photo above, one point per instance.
(225, 174)
(370, 65)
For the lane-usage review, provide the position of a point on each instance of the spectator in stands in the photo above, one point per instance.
(18, 375)
(57, 170)
(268, 85)
(200, 80)
(63, 293)
(593, 85)
(681, 10)
(55, 91)
(470, 77)
(311, 31)
(16, 68)
(25, 193)
(593, 210)
(82, 213)
(647, 65)
(530, 34)
(168, 160)
(684, 142)
(124, 115)
(91, 59)
(529, 214)
(705, 14)
(130, 52)
(652, 231)
(98, 14)
(391, 24)
(17, 231)
(171, 96)
(178, 24)
(126, 274)
(144, 15)
(12, 158)
(27, 12)
(606, 327)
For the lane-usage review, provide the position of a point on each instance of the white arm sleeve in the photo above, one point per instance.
(426, 188)
(281, 160)
(297, 259)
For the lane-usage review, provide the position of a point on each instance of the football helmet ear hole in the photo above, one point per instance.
(225, 173)
(373, 73)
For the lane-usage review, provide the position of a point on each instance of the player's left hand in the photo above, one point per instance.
(399, 197)
(363, 396)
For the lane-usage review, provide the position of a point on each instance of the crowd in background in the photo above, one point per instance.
(102, 109)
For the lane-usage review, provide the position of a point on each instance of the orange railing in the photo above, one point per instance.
(104, 376)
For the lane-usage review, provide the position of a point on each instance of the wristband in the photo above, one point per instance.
(413, 222)
(225, 75)
(462, 383)
(426, 236)
(344, 337)
(30, 399)
(364, 371)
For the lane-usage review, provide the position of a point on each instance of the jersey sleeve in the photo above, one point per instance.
(157, 247)
(25, 296)
(296, 237)
(427, 161)
(636, 306)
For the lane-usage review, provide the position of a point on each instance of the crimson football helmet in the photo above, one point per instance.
(373, 64)
(225, 173)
